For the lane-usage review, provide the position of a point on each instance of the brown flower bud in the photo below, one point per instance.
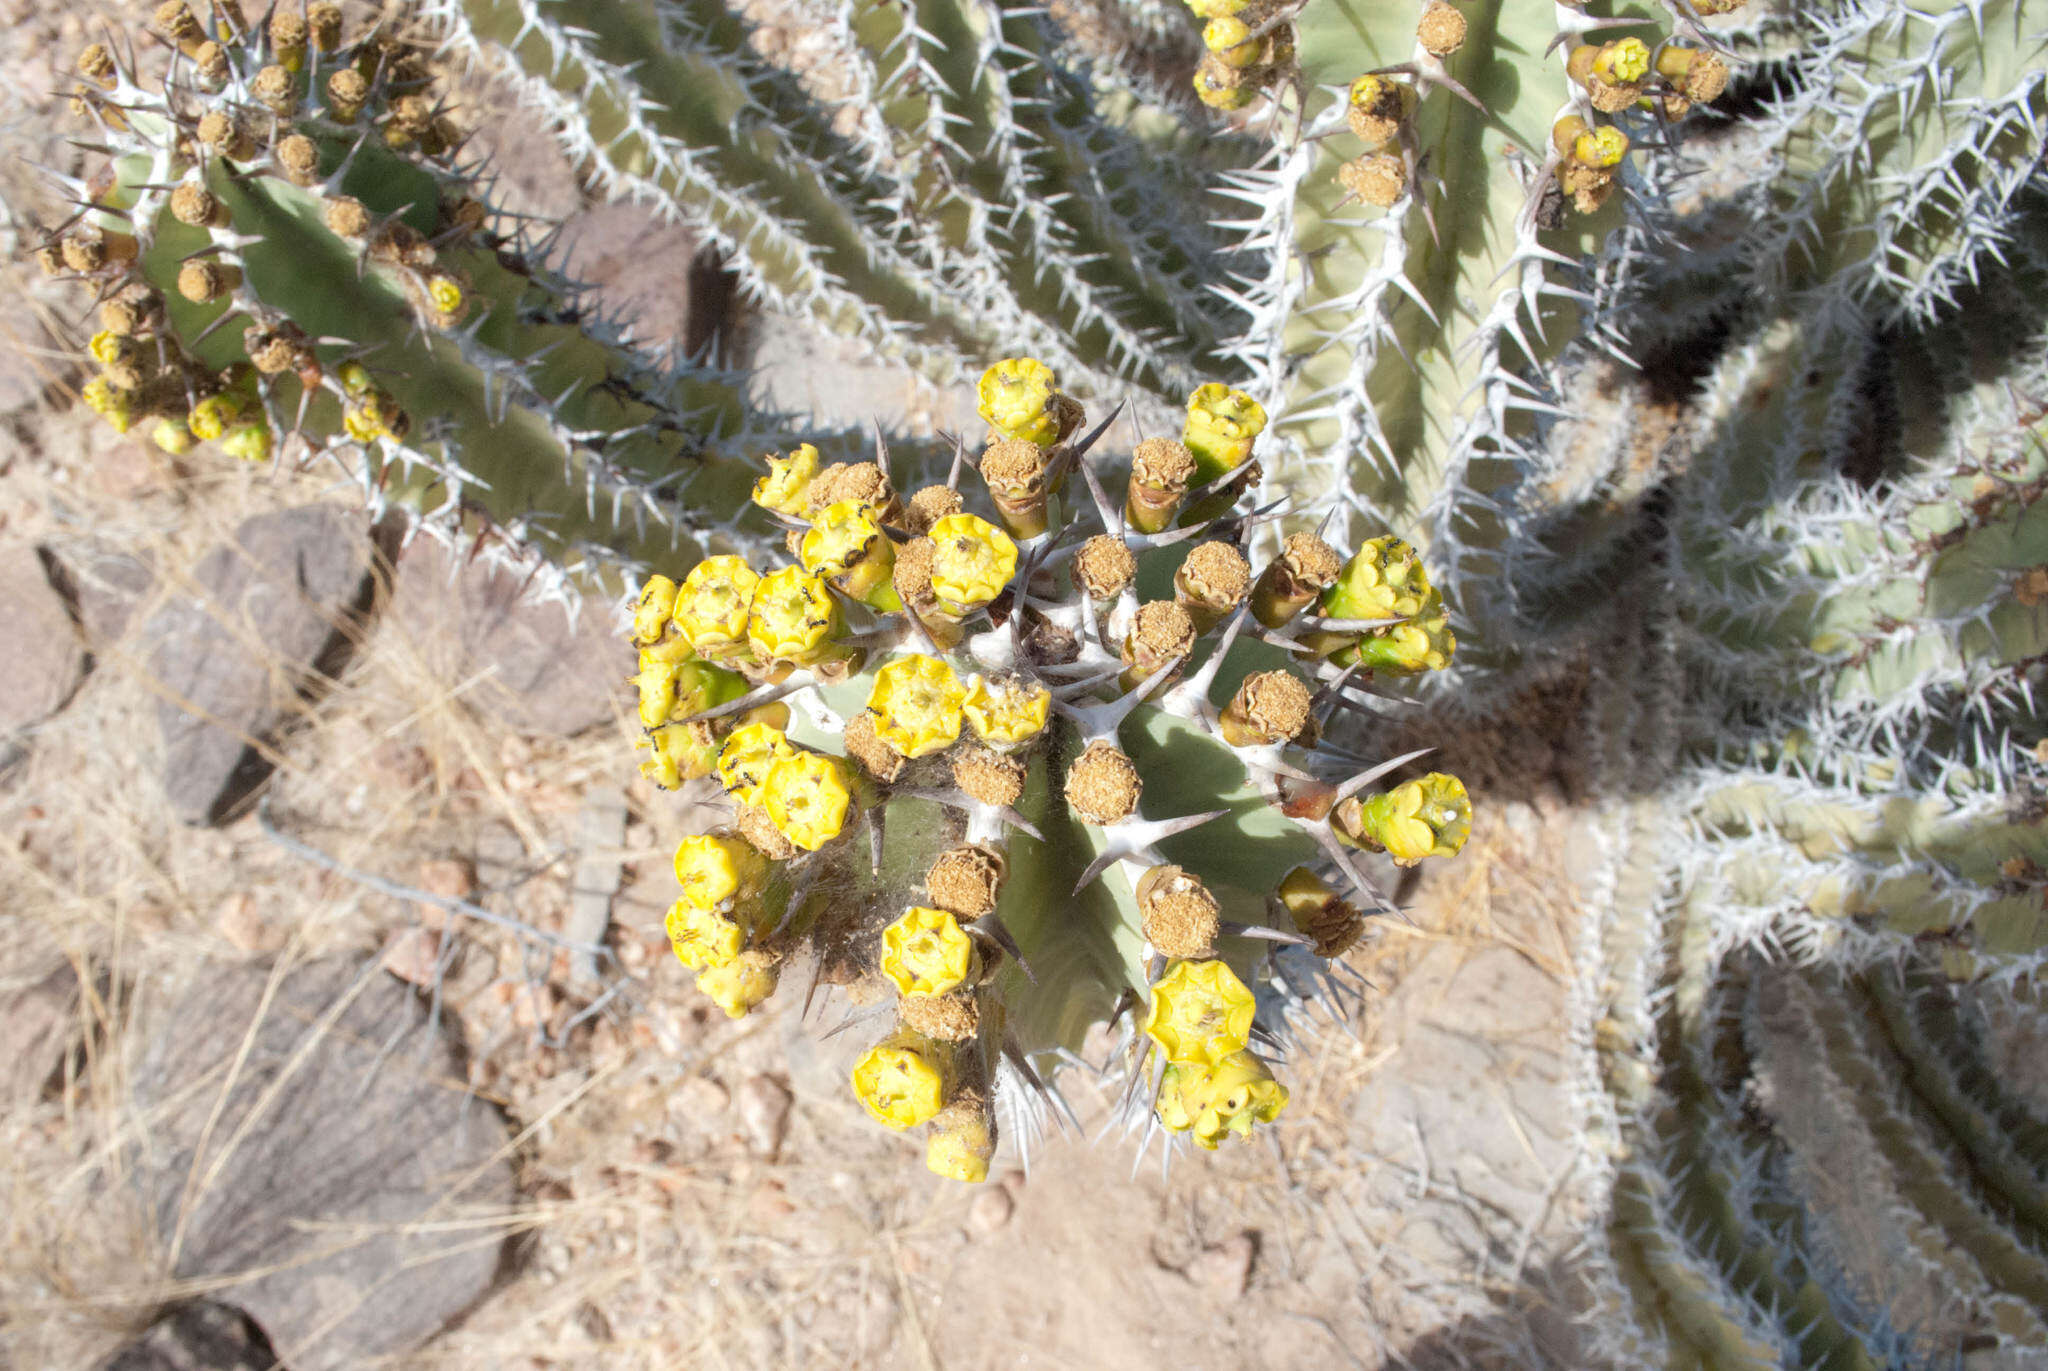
(1212, 581)
(1104, 566)
(952, 1017)
(1161, 632)
(965, 881)
(1290, 583)
(1015, 471)
(928, 506)
(204, 282)
(300, 158)
(1441, 30)
(992, 777)
(1161, 469)
(194, 204)
(346, 217)
(275, 89)
(1180, 915)
(1269, 707)
(347, 92)
(1103, 784)
(867, 747)
(1379, 179)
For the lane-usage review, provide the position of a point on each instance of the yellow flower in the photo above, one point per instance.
(1384, 579)
(712, 603)
(793, 618)
(807, 798)
(1214, 1102)
(788, 480)
(1624, 62)
(1219, 429)
(1601, 149)
(750, 752)
(1008, 710)
(915, 705)
(715, 870)
(845, 542)
(1431, 817)
(114, 405)
(701, 938)
(972, 561)
(741, 984)
(651, 611)
(1017, 400)
(1201, 1013)
(210, 417)
(926, 952)
(899, 1080)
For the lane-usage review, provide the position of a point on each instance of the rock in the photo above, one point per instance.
(197, 1337)
(276, 615)
(764, 1114)
(341, 1167)
(1223, 1271)
(413, 955)
(37, 1024)
(44, 659)
(990, 1210)
(104, 586)
(698, 1100)
(649, 275)
(541, 672)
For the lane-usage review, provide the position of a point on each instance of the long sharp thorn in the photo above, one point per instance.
(1366, 778)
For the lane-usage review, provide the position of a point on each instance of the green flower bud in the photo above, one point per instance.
(1431, 817)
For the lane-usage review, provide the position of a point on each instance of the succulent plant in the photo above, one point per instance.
(1005, 778)
(292, 262)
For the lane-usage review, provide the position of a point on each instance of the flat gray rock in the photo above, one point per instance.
(44, 658)
(526, 665)
(348, 1163)
(275, 616)
(105, 586)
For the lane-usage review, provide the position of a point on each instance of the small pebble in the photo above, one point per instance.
(1225, 1269)
(991, 1210)
(764, 1114)
(413, 955)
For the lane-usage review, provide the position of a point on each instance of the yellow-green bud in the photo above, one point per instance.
(718, 872)
(713, 603)
(750, 752)
(702, 938)
(1220, 428)
(1430, 817)
(742, 984)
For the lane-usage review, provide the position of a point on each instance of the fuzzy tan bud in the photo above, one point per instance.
(1104, 566)
(992, 777)
(1181, 917)
(1103, 785)
(967, 880)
